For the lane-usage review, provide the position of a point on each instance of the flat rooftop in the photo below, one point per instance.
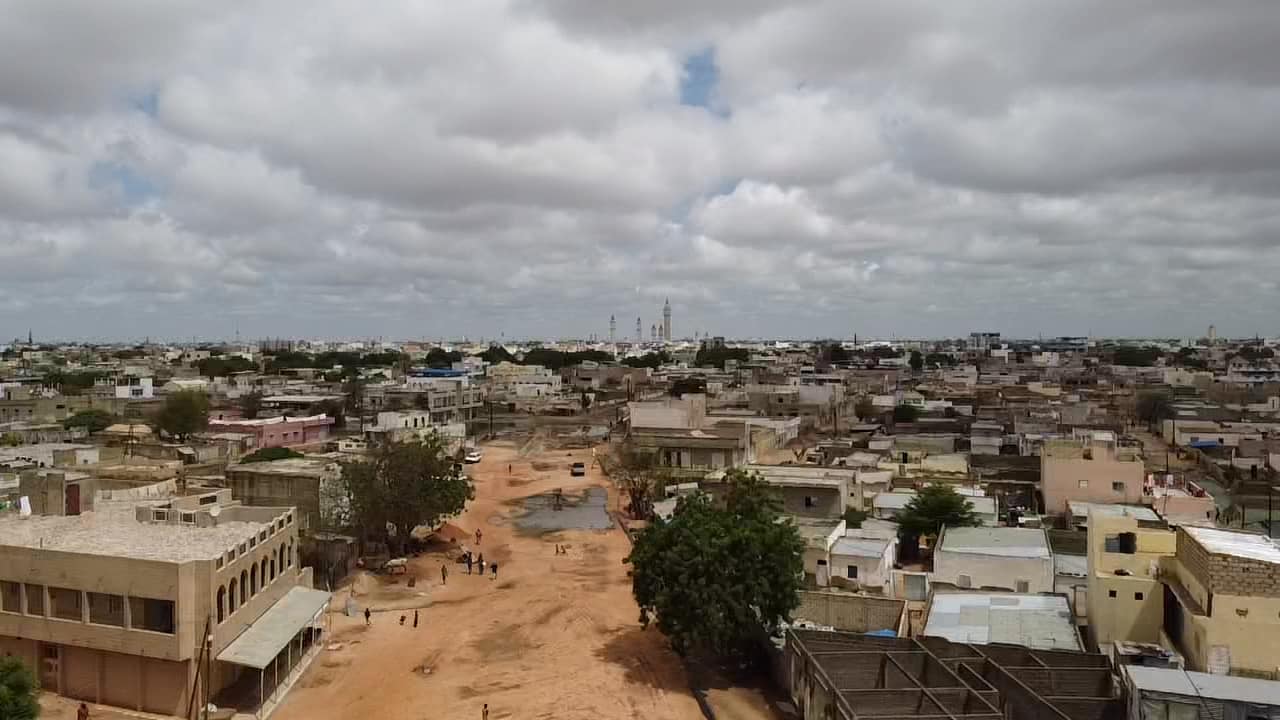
(287, 466)
(860, 546)
(1138, 512)
(1238, 544)
(112, 530)
(1040, 622)
(1000, 541)
(1204, 685)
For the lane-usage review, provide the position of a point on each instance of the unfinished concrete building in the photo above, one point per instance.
(845, 676)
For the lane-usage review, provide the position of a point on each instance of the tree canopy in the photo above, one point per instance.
(93, 420)
(906, 413)
(183, 414)
(716, 574)
(1133, 356)
(653, 360)
(441, 358)
(271, 453)
(916, 361)
(496, 354)
(400, 486)
(1154, 407)
(717, 356)
(865, 409)
(19, 694)
(223, 366)
(555, 359)
(251, 404)
(934, 506)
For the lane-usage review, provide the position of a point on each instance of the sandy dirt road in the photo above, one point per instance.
(553, 637)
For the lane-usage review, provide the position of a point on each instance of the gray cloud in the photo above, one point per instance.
(526, 167)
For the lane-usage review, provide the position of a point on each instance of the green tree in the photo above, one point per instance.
(93, 420)
(933, 507)
(335, 409)
(905, 413)
(401, 486)
(19, 694)
(353, 393)
(441, 358)
(687, 386)
(251, 404)
(716, 574)
(916, 361)
(1154, 407)
(865, 409)
(496, 354)
(183, 414)
(271, 453)
(223, 366)
(717, 356)
(653, 360)
(1133, 356)
(10, 439)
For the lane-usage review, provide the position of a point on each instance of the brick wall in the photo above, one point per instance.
(1229, 574)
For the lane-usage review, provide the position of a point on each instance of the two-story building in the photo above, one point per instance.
(1089, 472)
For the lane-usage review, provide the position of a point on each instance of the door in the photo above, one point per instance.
(72, 500)
(917, 587)
(50, 667)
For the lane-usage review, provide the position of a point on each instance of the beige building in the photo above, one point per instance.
(113, 606)
(310, 484)
(1016, 559)
(1211, 594)
(1089, 472)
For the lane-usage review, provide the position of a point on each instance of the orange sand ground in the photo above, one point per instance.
(555, 637)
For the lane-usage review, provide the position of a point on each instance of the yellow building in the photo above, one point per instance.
(1211, 594)
(1126, 597)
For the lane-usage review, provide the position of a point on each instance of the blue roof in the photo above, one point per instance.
(1205, 444)
(437, 372)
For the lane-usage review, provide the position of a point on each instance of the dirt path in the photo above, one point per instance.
(554, 637)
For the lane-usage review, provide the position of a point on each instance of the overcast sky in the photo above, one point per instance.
(345, 168)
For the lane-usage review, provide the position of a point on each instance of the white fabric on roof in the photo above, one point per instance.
(258, 645)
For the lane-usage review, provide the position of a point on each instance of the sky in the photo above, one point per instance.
(528, 168)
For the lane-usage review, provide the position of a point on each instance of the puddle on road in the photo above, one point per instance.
(577, 512)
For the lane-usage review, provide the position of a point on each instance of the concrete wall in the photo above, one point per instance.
(821, 503)
(874, 574)
(1061, 480)
(992, 571)
(852, 613)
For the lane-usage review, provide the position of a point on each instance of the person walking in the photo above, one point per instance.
(402, 621)
(444, 574)
(82, 713)
(467, 556)
(478, 535)
(481, 566)
(494, 567)
(415, 618)
(367, 615)
(484, 714)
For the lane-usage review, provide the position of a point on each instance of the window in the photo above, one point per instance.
(10, 596)
(1111, 593)
(964, 581)
(809, 502)
(1137, 596)
(151, 614)
(244, 587)
(106, 609)
(1117, 487)
(253, 542)
(222, 602)
(1022, 586)
(65, 604)
(217, 564)
(1083, 483)
(35, 599)
(273, 566)
(851, 572)
(231, 596)
(262, 573)
(253, 581)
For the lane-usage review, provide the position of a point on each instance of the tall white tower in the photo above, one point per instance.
(666, 321)
(613, 327)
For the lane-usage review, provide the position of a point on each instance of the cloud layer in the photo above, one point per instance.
(175, 168)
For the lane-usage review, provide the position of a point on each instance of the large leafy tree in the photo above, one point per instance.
(183, 414)
(906, 414)
(638, 475)
(917, 361)
(93, 420)
(251, 404)
(19, 694)
(1154, 407)
(716, 574)
(933, 507)
(403, 485)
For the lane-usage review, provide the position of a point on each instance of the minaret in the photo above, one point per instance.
(613, 328)
(666, 321)
(653, 333)
(639, 332)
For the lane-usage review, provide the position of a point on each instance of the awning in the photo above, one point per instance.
(259, 645)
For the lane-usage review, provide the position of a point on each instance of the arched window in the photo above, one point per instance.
(222, 603)
(262, 573)
(253, 580)
(232, 605)
(290, 554)
(244, 587)
(273, 567)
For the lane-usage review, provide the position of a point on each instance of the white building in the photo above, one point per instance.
(135, 388)
(1016, 559)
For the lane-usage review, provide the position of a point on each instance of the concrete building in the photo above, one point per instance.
(312, 485)
(278, 431)
(847, 676)
(1093, 473)
(807, 491)
(1039, 622)
(863, 563)
(134, 388)
(1015, 559)
(1125, 598)
(113, 606)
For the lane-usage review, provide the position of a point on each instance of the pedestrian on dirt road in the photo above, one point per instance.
(401, 621)
(508, 469)
(83, 712)
(367, 614)
(481, 566)
(494, 566)
(415, 618)
(478, 535)
(444, 574)
(467, 557)
(484, 714)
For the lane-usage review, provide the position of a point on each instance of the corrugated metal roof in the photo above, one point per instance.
(1216, 687)
(860, 547)
(258, 645)
(1075, 565)
(1239, 544)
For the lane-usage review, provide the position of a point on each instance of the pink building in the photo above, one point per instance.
(278, 431)
(1089, 472)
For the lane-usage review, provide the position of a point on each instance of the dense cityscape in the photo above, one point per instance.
(587, 360)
